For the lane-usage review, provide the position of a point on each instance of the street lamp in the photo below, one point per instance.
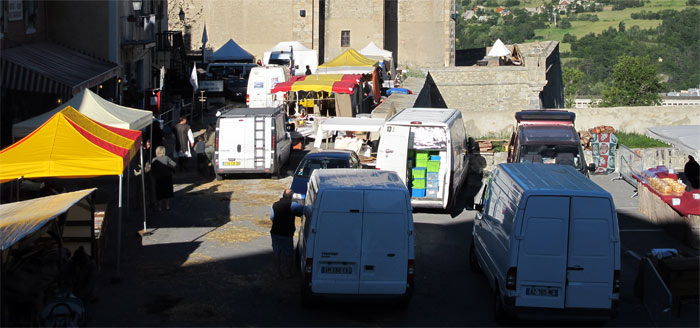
(181, 15)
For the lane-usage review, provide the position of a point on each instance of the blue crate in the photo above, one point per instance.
(432, 184)
(417, 192)
(434, 158)
(432, 176)
(433, 193)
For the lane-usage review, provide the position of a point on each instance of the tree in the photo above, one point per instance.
(564, 24)
(572, 79)
(635, 82)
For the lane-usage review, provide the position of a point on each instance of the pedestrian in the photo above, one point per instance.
(282, 215)
(308, 70)
(162, 168)
(210, 137)
(259, 62)
(691, 170)
(184, 140)
(199, 148)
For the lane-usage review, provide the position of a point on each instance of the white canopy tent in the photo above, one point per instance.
(346, 70)
(499, 49)
(684, 137)
(373, 51)
(95, 107)
(347, 124)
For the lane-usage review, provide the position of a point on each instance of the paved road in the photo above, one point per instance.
(208, 263)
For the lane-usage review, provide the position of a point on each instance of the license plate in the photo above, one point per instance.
(232, 163)
(336, 270)
(542, 291)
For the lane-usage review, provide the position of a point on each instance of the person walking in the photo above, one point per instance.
(162, 168)
(691, 170)
(199, 148)
(282, 215)
(184, 140)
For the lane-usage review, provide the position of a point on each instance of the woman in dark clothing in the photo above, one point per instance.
(162, 168)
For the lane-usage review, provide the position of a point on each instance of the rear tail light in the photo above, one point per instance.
(616, 281)
(411, 273)
(217, 141)
(308, 270)
(511, 278)
(247, 99)
(274, 141)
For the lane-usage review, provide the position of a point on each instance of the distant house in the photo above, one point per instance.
(505, 12)
(532, 10)
(467, 15)
(484, 18)
(563, 5)
(499, 10)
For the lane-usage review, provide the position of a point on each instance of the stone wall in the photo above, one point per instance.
(364, 19)
(426, 33)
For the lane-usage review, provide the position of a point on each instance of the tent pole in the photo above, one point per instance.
(119, 225)
(143, 191)
(128, 188)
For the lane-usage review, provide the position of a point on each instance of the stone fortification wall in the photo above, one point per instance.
(426, 33)
(364, 19)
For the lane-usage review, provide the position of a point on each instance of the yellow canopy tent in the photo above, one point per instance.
(70, 145)
(350, 58)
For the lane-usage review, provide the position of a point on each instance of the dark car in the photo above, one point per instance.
(322, 159)
(549, 137)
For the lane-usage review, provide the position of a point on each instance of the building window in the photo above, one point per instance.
(30, 9)
(3, 17)
(344, 38)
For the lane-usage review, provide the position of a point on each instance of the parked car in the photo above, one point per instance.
(547, 240)
(434, 136)
(321, 159)
(357, 237)
(251, 140)
(549, 137)
(234, 77)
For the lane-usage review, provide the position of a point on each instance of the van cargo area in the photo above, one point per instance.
(426, 172)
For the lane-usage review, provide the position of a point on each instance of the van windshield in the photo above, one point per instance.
(308, 165)
(552, 154)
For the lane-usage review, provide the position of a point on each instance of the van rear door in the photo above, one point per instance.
(235, 143)
(338, 242)
(393, 150)
(384, 263)
(591, 262)
(541, 270)
(257, 88)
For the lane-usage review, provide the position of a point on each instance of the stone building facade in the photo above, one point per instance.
(420, 33)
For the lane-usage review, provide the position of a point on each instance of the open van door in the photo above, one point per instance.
(393, 150)
(541, 270)
(591, 260)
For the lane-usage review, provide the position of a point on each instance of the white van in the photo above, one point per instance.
(261, 81)
(357, 237)
(251, 140)
(433, 132)
(547, 240)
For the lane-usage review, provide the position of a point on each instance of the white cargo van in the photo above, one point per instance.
(251, 140)
(547, 240)
(261, 81)
(357, 237)
(433, 132)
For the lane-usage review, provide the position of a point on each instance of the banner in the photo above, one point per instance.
(603, 146)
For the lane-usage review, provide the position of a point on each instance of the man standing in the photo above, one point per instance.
(308, 70)
(282, 214)
(184, 140)
(692, 172)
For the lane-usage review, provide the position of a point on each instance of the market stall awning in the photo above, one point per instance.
(231, 51)
(373, 51)
(95, 107)
(66, 146)
(684, 137)
(20, 219)
(337, 83)
(347, 124)
(46, 67)
(350, 58)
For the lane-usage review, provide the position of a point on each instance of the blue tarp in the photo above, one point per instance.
(231, 51)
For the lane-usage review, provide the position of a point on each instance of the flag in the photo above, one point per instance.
(193, 77)
(162, 77)
(204, 36)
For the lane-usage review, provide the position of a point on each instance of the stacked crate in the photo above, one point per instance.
(419, 173)
(432, 177)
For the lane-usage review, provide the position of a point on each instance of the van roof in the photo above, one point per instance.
(551, 178)
(357, 179)
(423, 115)
(245, 111)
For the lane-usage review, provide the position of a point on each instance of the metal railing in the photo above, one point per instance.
(630, 164)
(139, 29)
(656, 296)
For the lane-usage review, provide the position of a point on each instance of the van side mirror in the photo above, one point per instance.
(591, 167)
(479, 207)
(291, 127)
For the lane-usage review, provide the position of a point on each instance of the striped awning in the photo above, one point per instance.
(46, 67)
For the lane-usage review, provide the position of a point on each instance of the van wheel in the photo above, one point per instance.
(473, 260)
(499, 312)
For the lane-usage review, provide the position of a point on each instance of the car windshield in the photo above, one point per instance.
(308, 165)
(552, 154)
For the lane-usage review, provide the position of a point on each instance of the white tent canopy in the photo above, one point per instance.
(94, 107)
(684, 137)
(347, 124)
(499, 49)
(231, 51)
(346, 70)
(374, 51)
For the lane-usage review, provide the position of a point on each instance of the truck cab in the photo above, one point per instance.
(548, 137)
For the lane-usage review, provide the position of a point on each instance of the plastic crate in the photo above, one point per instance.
(433, 166)
(415, 192)
(418, 172)
(432, 184)
(422, 155)
(432, 176)
(434, 158)
(432, 193)
(418, 183)
(421, 163)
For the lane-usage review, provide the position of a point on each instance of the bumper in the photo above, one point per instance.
(581, 314)
(370, 298)
(422, 203)
(238, 171)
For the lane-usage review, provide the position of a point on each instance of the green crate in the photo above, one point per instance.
(421, 163)
(433, 166)
(418, 173)
(418, 183)
(420, 155)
